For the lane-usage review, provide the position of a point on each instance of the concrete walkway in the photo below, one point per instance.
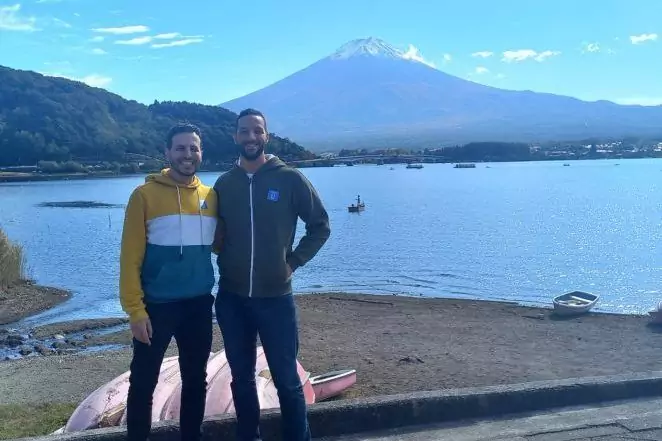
(625, 420)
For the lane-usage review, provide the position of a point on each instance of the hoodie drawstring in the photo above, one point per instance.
(181, 230)
(200, 216)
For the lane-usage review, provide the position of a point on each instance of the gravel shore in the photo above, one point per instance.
(24, 299)
(397, 344)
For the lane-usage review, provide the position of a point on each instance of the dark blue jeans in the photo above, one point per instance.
(190, 322)
(241, 319)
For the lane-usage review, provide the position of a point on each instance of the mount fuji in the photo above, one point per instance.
(368, 92)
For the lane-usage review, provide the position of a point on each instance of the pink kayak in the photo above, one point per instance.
(106, 406)
(219, 394)
(332, 384)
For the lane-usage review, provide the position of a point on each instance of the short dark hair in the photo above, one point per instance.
(182, 127)
(248, 112)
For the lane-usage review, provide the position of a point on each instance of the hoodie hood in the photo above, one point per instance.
(273, 162)
(165, 179)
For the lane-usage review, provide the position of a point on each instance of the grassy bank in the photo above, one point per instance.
(19, 297)
(12, 262)
(19, 421)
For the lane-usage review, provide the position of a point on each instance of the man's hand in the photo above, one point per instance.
(142, 331)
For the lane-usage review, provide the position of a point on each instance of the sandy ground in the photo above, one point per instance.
(397, 344)
(24, 299)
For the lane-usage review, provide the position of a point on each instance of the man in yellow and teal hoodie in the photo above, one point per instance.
(166, 281)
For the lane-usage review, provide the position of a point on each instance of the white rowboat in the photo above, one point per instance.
(575, 303)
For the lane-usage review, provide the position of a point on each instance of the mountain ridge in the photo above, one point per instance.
(374, 90)
(56, 119)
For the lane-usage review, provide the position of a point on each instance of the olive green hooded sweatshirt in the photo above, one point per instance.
(257, 223)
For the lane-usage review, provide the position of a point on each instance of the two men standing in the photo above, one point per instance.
(253, 210)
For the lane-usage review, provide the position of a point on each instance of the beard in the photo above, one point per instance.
(184, 170)
(253, 155)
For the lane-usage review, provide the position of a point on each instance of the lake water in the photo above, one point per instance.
(508, 231)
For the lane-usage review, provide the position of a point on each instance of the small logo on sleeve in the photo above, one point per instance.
(273, 195)
(203, 204)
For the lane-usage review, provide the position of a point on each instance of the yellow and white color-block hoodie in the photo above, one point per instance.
(166, 243)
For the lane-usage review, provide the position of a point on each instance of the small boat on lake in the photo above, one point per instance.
(358, 206)
(465, 165)
(575, 303)
(415, 166)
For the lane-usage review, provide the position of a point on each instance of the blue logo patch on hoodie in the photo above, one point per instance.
(273, 195)
(203, 204)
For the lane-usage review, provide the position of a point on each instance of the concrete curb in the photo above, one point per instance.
(392, 411)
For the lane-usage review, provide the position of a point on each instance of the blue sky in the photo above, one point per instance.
(212, 51)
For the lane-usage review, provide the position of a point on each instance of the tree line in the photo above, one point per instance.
(58, 120)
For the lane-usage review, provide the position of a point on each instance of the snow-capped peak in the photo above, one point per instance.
(367, 46)
(376, 47)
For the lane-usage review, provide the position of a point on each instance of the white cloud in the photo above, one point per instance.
(447, 58)
(500, 76)
(49, 1)
(98, 51)
(591, 47)
(527, 54)
(638, 39)
(94, 80)
(641, 101)
(122, 30)
(184, 42)
(414, 54)
(135, 41)
(11, 20)
(97, 39)
(482, 54)
(542, 56)
(61, 23)
(168, 36)
(480, 70)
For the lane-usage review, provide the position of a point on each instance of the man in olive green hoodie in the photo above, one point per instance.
(260, 201)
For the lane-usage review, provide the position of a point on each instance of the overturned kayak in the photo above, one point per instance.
(106, 406)
(333, 383)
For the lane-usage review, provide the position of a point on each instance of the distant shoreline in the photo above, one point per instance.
(7, 177)
(13, 177)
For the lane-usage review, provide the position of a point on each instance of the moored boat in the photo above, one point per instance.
(575, 303)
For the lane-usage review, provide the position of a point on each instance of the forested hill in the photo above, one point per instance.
(54, 119)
